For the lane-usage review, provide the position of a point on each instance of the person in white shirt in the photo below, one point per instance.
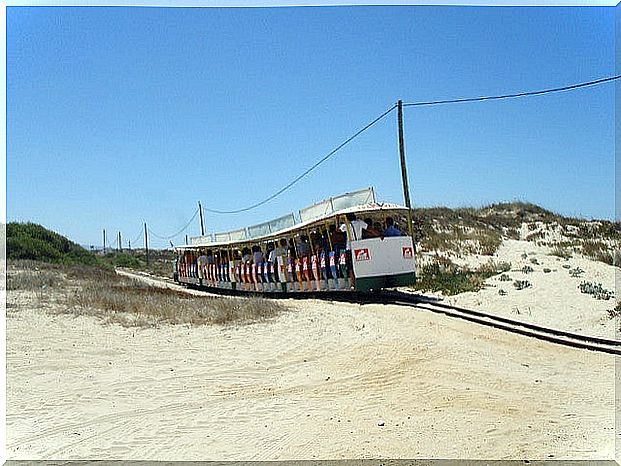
(277, 257)
(354, 229)
(201, 262)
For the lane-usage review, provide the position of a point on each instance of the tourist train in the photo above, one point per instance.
(345, 243)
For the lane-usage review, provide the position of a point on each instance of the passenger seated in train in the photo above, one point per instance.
(246, 257)
(201, 262)
(257, 254)
(293, 253)
(303, 246)
(337, 238)
(322, 240)
(280, 258)
(391, 229)
(371, 231)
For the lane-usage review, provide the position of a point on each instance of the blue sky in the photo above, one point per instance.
(117, 116)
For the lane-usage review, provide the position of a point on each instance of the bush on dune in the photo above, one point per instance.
(29, 241)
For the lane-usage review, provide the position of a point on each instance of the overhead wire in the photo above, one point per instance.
(166, 238)
(369, 125)
(407, 104)
(139, 235)
(510, 96)
(299, 177)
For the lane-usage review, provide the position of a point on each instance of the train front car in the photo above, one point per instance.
(384, 262)
(346, 243)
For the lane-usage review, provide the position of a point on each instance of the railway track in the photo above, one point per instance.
(514, 326)
(400, 298)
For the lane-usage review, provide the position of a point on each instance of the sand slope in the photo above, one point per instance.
(554, 299)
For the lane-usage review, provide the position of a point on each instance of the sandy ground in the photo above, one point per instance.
(322, 381)
(554, 299)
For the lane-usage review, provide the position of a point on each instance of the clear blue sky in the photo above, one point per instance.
(120, 115)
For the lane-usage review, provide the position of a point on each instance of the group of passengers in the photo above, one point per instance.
(363, 229)
(284, 259)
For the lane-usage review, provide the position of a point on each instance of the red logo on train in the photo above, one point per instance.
(407, 252)
(361, 254)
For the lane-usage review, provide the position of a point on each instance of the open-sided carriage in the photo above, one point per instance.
(319, 250)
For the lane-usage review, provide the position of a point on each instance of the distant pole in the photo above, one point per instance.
(104, 241)
(404, 173)
(186, 239)
(200, 211)
(120, 244)
(129, 243)
(146, 242)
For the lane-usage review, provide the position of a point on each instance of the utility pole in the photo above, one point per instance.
(120, 244)
(200, 211)
(404, 173)
(104, 241)
(146, 242)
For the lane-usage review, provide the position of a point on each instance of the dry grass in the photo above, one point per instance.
(131, 303)
(560, 251)
(80, 290)
(31, 280)
(601, 251)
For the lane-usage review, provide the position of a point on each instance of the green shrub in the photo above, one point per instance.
(596, 290)
(29, 241)
(521, 284)
(125, 260)
(615, 312)
(577, 272)
(450, 280)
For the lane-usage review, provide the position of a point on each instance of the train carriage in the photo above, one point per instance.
(320, 250)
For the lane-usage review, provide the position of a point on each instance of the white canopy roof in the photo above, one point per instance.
(362, 208)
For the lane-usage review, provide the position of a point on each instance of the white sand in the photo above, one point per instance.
(554, 299)
(312, 383)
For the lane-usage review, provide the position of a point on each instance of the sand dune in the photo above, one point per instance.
(554, 299)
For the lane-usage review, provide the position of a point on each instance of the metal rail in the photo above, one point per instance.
(399, 298)
(523, 328)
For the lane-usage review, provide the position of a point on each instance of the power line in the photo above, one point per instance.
(298, 178)
(166, 238)
(509, 96)
(138, 236)
(410, 104)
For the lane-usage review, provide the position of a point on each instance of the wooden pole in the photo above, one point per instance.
(200, 211)
(404, 173)
(120, 243)
(146, 242)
